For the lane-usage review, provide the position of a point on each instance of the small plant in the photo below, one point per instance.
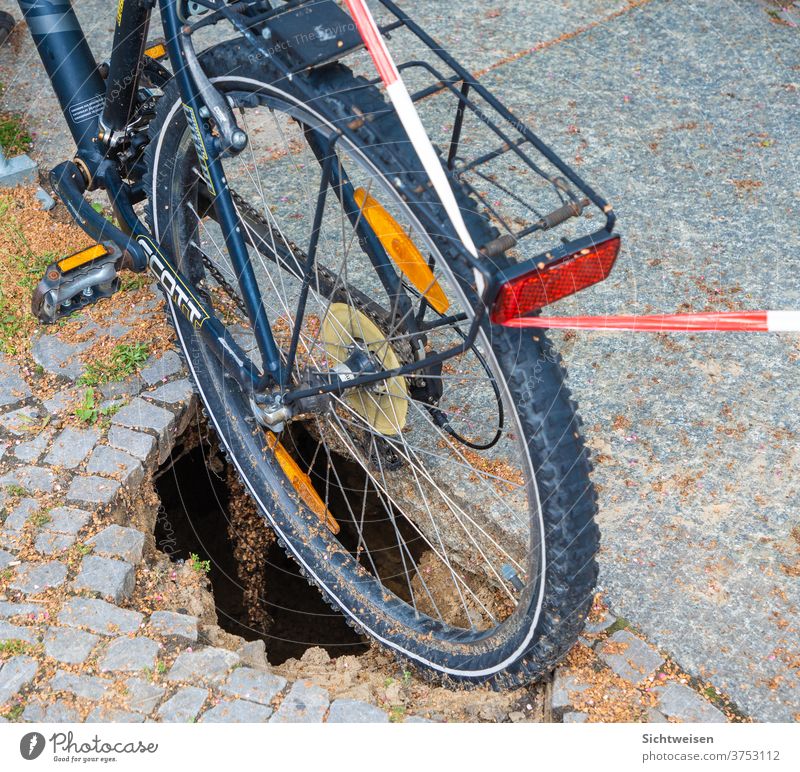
(15, 712)
(16, 490)
(126, 359)
(406, 677)
(13, 647)
(397, 713)
(161, 667)
(89, 411)
(40, 519)
(199, 566)
(13, 136)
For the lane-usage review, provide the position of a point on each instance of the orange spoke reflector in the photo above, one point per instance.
(82, 257)
(726, 321)
(402, 250)
(301, 482)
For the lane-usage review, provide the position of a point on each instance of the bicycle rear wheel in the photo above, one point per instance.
(453, 524)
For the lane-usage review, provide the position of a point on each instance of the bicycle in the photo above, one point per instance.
(341, 289)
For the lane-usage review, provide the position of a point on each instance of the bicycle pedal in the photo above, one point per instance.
(75, 282)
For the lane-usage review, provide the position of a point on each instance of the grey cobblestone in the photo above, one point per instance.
(575, 717)
(104, 714)
(184, 705)
(71, 447)
(33, 578)
(254, 654)
(161, 369)
(68, 645)
(20, 421)
(31, 451)
(13, 388)
(58, 712)
(138, 444)
(14, 674)
(92, 491)
(306, 703)
(60, 401)
(236, 712)
(127, 388)
(564, 685)
(679, 702)
(67, 519)
(9, 632)
(140, 414)
(142, 696)
(16, 519)
(130, 655)
(90, 687)
(602, 624)
(110, 578)
(5, 559)
(174, 394)
(207, 665)
(9, 610)
(59, 357)
(355, 712)
(34, 479)
(172, 625)
(48, 543)
(110, 462)
(99, 616)
(636, 662)
(115, 541)
(254, 685)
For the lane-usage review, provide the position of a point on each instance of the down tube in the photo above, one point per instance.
(223, 203)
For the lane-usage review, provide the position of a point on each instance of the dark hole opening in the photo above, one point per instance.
(196, 498)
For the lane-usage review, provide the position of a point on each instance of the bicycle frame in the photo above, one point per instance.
(98, 105)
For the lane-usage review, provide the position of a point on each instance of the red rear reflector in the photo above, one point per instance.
(563, 277)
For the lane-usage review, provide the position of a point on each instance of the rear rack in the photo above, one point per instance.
(524, 186)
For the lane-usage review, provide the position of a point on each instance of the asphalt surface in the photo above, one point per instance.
(684, 116)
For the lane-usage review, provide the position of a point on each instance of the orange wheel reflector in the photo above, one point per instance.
(82, 257)
(402, 250)
(301, 482)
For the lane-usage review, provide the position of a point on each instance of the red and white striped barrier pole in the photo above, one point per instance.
(726, 321)
(409, 117)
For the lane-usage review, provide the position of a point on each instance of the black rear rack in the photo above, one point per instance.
(506, 149)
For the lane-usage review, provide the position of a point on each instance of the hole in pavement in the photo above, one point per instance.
(202, 507)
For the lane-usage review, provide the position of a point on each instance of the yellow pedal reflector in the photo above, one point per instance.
(301, 482)
(82, 257)
(402, 250)
(156, 51)
(383, 405)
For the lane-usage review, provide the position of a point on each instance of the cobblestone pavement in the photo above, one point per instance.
(695, 438)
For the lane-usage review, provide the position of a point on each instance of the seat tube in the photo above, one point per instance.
(70, 65)
(130, 36)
